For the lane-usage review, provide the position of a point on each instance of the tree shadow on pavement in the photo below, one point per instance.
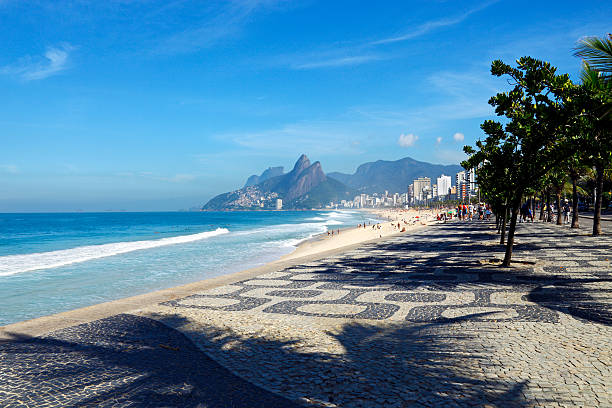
(119, 361)
(436, 364)
(447, 264)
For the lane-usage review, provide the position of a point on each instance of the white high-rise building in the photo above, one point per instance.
(421, 184)
(470, 178)
(444, 184)
(460, 178)
(463, 186)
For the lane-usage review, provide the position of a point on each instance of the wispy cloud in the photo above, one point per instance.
(334, 56)
(337, 62)
(458, 137)
(432, 25)
(179, 178)
(317, 137)
(9, 168)
(359, 53)
(55, 60)
(224, 21)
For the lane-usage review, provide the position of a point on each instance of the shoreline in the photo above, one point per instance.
(408, 220)
(315, 248)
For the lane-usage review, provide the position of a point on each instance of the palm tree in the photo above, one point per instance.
(597, 104)
(597, 52)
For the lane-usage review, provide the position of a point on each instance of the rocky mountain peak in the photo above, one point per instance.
(302, 163)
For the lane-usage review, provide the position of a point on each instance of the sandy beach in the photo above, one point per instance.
(398, 221)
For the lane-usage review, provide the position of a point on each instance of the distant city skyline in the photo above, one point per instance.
(160, 106)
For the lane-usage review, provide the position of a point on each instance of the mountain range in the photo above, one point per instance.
(393, 176)
(307, 186)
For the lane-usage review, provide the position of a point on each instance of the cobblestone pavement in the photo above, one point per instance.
(120, 361)
(423, 319)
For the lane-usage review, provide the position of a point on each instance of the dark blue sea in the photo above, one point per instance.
(50, 263)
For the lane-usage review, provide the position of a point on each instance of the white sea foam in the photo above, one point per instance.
(12, 264)
(304, 227)
(315, 219)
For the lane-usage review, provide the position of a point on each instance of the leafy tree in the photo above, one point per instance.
(532, 139)
(593, 100)
(490, 164)
(576, 169)
(557, 178)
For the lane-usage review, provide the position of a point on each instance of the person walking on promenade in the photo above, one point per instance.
(566, 212)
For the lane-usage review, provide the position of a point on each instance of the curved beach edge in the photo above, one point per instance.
(308, 251)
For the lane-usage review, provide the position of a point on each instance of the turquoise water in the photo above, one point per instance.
(51, 263)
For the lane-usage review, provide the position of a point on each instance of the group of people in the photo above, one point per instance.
(470, 211)
(566, 210)
(332, 232)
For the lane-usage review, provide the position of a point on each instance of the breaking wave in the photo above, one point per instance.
(12, 264)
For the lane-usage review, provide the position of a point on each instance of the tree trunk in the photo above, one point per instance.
(542, 207)
(510, 243)
(548, 209)
(575, 222)
(502, 239)
(559, 219)
(598, 200)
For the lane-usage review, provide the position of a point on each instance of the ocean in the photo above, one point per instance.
(50, 263)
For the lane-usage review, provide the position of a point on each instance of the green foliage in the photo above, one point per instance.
(515, 157)
(598, 53)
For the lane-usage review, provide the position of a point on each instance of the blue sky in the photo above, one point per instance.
(159, 105)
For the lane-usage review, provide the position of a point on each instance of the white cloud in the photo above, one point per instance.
(54, 61)
(359, 53)
(432, 25)
(336, 62)
(438, 140)
(459, 137)
(9, 168)
(407, 140)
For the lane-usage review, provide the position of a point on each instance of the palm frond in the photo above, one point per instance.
(597, 52)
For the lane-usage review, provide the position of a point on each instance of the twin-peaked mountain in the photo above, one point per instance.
(306, 186)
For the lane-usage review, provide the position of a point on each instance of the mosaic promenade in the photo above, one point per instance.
(425, 319)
